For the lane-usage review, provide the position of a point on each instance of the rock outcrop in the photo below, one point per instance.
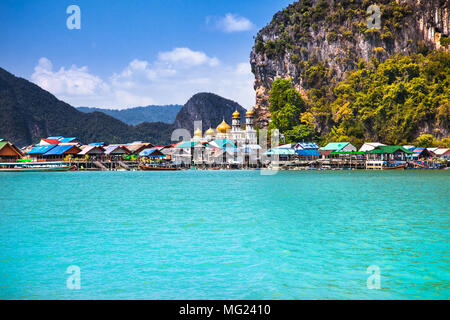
(209, 108)
(315, 42)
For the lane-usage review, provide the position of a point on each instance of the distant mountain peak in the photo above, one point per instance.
(208, 107)
(137, 115)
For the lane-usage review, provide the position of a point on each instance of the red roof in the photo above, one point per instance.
(325, 152)
(52, 141)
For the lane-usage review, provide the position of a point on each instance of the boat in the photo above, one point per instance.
(35, 167)
(395, 167)
(158, 168)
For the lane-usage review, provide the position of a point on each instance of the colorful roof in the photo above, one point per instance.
(59, 150)
(92, 149)
(113, 149)
(56, 138)
(4, 143)
(442, 151)
(41, 149)
(280, 151)
(67, 140)
(335, 146)
(188, 144)
(222, 143)
(389, 149)
(308, 152)
(307, 145)
(50, 141)
(152, 152)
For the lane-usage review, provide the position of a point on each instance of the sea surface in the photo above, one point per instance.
(225, 235)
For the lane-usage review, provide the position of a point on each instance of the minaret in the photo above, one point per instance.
(250, 132)
(236, 122)
(236, 126)
(249, 124)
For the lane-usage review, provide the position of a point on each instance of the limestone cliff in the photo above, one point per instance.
(315, 42)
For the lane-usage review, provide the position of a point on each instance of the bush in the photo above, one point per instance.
(331, 36)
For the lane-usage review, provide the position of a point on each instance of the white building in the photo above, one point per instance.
(368, 146)
(235, 133)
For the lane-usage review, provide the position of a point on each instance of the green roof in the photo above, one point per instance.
(2, 144)
(389, 149)
(335, 146)
(280, 151)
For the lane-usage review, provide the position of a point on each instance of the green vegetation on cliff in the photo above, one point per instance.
(390, 102)
(286, 105)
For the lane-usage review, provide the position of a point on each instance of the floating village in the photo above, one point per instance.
(226, 147)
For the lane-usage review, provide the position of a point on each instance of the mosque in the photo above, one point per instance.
(235, 133)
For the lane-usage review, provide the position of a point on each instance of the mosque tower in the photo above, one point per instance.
(250, 132)
(236, 126)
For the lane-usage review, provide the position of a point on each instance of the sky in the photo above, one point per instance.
(129, 53)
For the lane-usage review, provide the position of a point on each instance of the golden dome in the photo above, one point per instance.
(223, 127)
(198, 133)
(250, 113)
(210, 132)
(236, 114)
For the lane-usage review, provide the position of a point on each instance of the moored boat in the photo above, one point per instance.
(35, 167)
(158, 168)
(395, 167)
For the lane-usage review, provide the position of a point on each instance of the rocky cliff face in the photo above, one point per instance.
(315, 42)
(209, 108)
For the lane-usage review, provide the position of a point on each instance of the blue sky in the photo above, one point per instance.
(130, 53)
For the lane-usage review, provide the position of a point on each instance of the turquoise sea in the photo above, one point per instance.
(225, 234)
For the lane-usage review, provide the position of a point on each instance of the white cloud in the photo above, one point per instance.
(232, 23)
(244, 68)
(187, 57)
(172, 78)
(73, 81)
(125, 98)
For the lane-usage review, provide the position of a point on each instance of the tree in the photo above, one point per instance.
(286, 106)
(425, 141)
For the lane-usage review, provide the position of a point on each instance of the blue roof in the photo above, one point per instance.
(149, 153)
(67, 140)
(41, 149)
(308, 145)
(58, 150)
(308, 152)
(56, 138)
(96, 143)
